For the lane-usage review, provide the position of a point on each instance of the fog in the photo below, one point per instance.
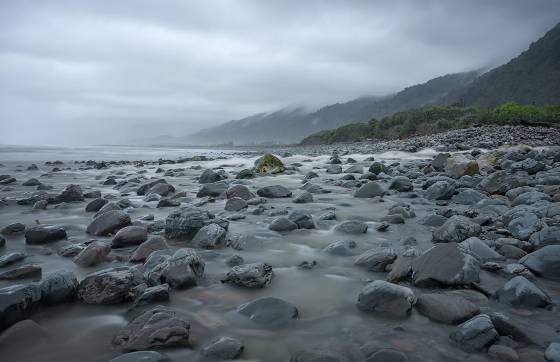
(99, 72)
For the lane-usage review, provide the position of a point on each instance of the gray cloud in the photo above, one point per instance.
(83, 72)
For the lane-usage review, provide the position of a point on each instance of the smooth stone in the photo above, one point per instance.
(222, 349)
(108, 223)
(255, 275)
(129, 236)
(210, 236)
(240, 191)
(341, 248)
(376, 259)
(215, 189)
(11, 258)
(456, 229)
(144, 250)
(552, 353)
(96, 205)
(93, 254)
(520, 292)
(351, 227)
(22, 272)
(282, 224)
(44, 234)
(274, 191)
(303, 198)
(269, 312)
(384, 297)
(302, 218)
(18, 302)
(544, 262)
(446, 308)
(441, 190)
(109, 286)
(235, 204)
(370, 189)
(474, 334)
(57, 287)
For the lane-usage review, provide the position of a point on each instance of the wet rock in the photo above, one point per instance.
(161, 189)
(44, 234)
(503, 353)
(240, 191)
(18, 302)
(511, 252)
(110, 206)
(520, 292)
(458, 165)
(440, 190)
(235, 204)
(209, 176)
(157, 328)
(302, 218)
(210, 236)
(498, 182)
(256, 275)
(432, 220)
(384, 297)
(352, 227)
(141, 356)
(439, 162)
(529, 198)
(182, 269)
(303, 198)
(544, 262)
(129, 236)
(57, 287)
(22, 272)
(96, 205)
(70, 194)
(2, 242)
(370, 189)
(334, 169)
(245, 174)
(401, 268)
(269, 312)
(234, 260)
(215, 189)
(401, 184)
(11, 258)
(528, 165)
(274, 191)
(183, 224)
(155, 294)
(109, 286)
(268, 163)
(549, 235)
(456, 229)
(167, 203)
(40, 205)
(376, 259)
(445, 265)
(449, 308)
(282, 224)
(480, 249)
(341, 248)
(147, 247)
(388, 355)
(222, 349)
(469, 197)
(145, 188)
(108, 223)
(552, 353)
(13, 229)
(31, 182)
(93, 254)
(474, 334)
(377, 167)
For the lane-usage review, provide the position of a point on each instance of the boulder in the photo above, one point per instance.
(469, 197)
(401, 184)
(456, 229)
(183, 224)
(476, 247)
(544, 262)
(222, 349)
(351, 227)
(93, 254)
(18, 302)
(269, 312)
(520, 292)
(129, 236)
(474, 334)
(384, 297)
(282, 224)
(147, 247)
(274, 191)
(209, 176)
(303, 198)
(341, 248)
(95, 205)
(268, 163)
(109, 286)
(214, 189)
(240, 191)
(108, 223)
(210, 236)
(552, 353)
(57, 287)
(448, 307)
(235, 204)
(440, 190)
(370, 189)
(302, 218)
(445, 265)
(376, 259)
(44, 234)
(458, 165)
(256, 275)
(23, 272)
(182, 269)
(157, 328)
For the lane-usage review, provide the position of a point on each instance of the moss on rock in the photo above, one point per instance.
(269, 163)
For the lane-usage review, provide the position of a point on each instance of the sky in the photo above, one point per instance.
(104, 71)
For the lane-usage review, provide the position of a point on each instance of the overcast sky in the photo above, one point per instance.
(94, 72)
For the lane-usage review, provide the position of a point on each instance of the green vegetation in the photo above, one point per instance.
(432, 119)
(269, 163)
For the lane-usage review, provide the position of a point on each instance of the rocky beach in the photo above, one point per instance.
(434, 248)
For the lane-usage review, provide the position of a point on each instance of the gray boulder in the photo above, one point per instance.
(376, 259)
(474, 334)
(384, 297)
(520, 292)
(147, 247)
(108, 223)
(282, 224)
(401, 184)
(129, 236)
(93, 254)
(256, 275)
(18, 302)
(222, 349)
(456, 229)
(235, 204)
(240, 191)
(544, 262)
(59, 286)
(370, 189)
(440, 190)
(469, 197)
(109, 286)
(214, 189)
(351, 227)
(183, 224)
(341, 248)
(448, 307)
(44, 234)
(269, 312)
(274, 191)
(302, 218)
(210, 236)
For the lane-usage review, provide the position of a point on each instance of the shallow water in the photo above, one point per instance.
(325, 296)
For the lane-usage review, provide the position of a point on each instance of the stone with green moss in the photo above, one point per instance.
(269, 164)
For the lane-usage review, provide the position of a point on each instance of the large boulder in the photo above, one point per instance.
(456, 229)
(18, 302)
(146, 187)
(209, 176)
(256, 275)
(96, 204)
(108, 223)
(351, 227)
(544, 262)
(469, 197)
(401, 184)
(282, 224)
(268, 163)
(183, 224)
(182, 269)
(274, 191)
(549, 235)
(210, 236)
(222, 349)
(129, 236)
(376, 259)
(44, 234)
(93, 254)
(475, 246)
(302, 218)
(341, 248)
(474, 334)
(11, 258)
(440, 190)
(240, 191)
(154, 329)
(384, 297)
(109, 286)
(214, 189)
(59, 286)
(520, 292)
(147, 247)
(458, 165)
(449, 307)
(370, 189)
(268, 312)
(499, 182)
(70, 194)
(445, 265)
